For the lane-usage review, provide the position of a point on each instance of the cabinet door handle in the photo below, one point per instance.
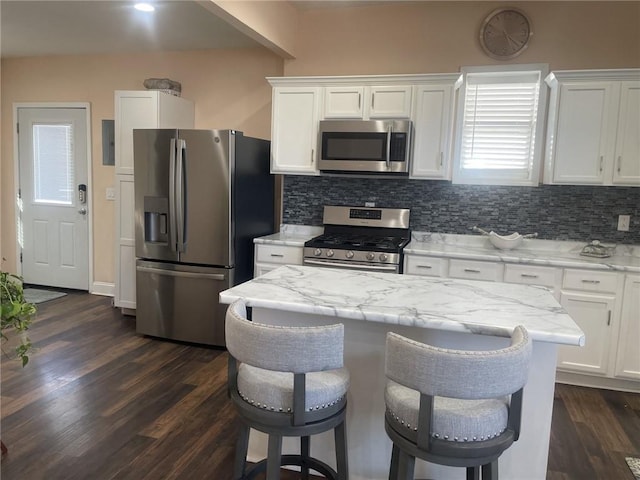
(279, 255)
(373, 95)
(609, 318)
(441, 159)
(595, 282)
(471, 270)
(312, 155)
(601, 161)
(528, 275)
(424, 266)
(359, 100)
(619, 162)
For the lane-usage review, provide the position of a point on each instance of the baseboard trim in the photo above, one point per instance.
(103, 288)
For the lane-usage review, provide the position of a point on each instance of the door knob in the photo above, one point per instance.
(82, 211)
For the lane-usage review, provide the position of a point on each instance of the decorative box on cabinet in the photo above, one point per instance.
(592, 129)
(590, 297)
(270, 257)
(294, 128)
(137, 109)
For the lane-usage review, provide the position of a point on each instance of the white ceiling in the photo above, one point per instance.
(71, 27)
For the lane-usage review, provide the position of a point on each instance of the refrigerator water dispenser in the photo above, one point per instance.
(156, 210)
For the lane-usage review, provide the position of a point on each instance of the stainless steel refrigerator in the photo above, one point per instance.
(201, 197)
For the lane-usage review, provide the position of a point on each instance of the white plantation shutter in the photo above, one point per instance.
(499, 127)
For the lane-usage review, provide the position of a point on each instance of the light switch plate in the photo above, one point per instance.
(111, 193)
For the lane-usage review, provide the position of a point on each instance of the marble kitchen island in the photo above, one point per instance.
(446, 312)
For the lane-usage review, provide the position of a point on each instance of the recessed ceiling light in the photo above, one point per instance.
(144, 7)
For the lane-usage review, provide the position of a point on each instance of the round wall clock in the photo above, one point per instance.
(505, 33)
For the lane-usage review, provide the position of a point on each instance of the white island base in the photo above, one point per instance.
(369, 445)
(461, 314)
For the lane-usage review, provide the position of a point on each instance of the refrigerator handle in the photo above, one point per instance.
(172, 196)
(180, 195)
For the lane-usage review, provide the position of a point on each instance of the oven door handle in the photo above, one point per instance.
(355, 266)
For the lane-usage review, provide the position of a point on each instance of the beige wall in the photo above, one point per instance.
(228, 87)
(440, 37)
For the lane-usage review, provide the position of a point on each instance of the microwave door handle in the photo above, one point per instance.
(172, 196)
(389, 130)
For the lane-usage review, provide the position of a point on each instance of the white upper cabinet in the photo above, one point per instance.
(627, 152)
(344, 102)
(367, 102)
(294, 128)
(592, 132)
(145, 109)
(433, 127)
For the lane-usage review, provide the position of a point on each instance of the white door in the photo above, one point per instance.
(54, 233)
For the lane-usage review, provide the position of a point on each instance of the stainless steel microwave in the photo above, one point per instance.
(365, 146)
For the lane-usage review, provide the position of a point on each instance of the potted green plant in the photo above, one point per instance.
(17, 314)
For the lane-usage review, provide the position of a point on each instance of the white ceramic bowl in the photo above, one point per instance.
(506, 242)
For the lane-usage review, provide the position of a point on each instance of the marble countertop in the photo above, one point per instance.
(290, 235)
(486, 308)
(532, 251)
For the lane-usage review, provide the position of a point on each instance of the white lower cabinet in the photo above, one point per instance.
(593, 314)
(426, 266)
(604, 304)
(550, 277)
(592, 299)
(269, 257)
(628, 354)
(475, 270)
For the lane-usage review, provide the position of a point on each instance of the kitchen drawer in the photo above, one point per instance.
(473, 270)
(590, 281)
(427, 266)
(533, 275)
(279, 254)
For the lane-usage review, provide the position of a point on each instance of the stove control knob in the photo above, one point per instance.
(317, 252)
(329, 253)
(370, 256)
(349, 254)
(383, 257)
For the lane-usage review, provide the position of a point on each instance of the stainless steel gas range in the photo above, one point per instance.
(360, 238)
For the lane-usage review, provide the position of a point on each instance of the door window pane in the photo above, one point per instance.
(53, 174)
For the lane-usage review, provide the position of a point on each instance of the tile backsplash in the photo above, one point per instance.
(556, 212)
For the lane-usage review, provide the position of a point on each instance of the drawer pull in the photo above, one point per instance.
(528, 275)
(595, 282)
(609, 318)
(424, 266)
(471, 270)
(277, 255)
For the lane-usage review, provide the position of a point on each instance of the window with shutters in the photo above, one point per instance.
(500, 125)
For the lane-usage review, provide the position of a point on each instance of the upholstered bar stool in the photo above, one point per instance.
(453, 407)
(287, 382)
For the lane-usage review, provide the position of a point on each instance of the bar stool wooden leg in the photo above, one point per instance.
(304, 453)
(473, 473)
(274, 450)
(490, 471)
(242, 445)
(395, 462)
(342, 463)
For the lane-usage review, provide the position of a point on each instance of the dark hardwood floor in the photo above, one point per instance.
(97, 401)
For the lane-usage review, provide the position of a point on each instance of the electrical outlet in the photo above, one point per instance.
(623, 223)
(111, 193)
